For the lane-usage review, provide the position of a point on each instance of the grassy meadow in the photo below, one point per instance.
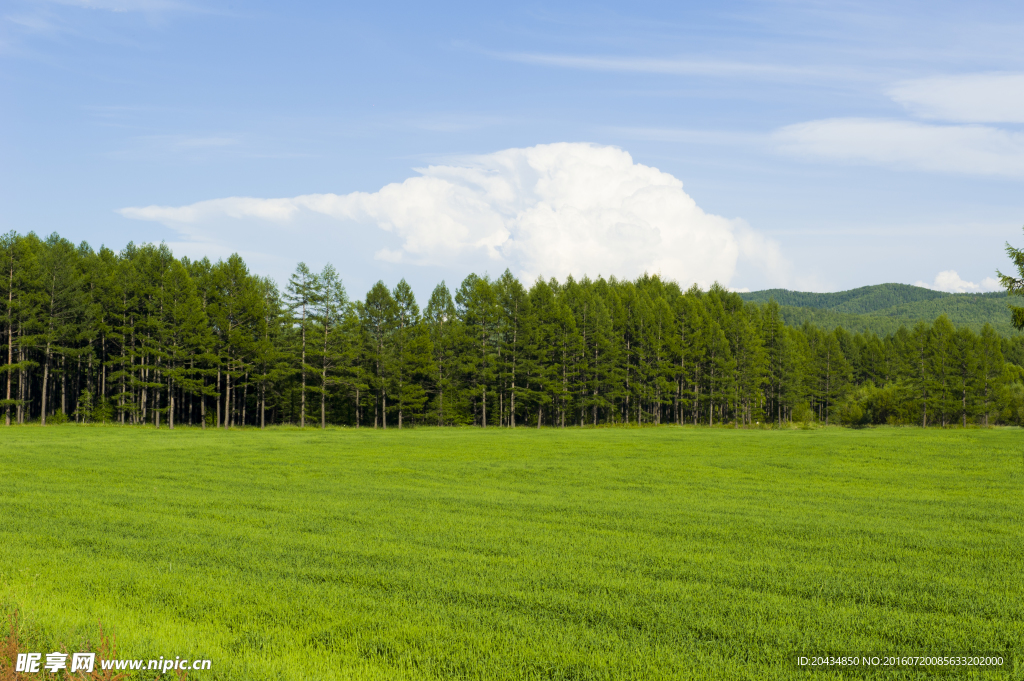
(571, 554)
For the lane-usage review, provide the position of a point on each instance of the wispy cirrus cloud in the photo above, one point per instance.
(124, 5)
(689, 136)
(967, 149)
(958, 135)
(677, 66)
(183, 146)
(964, 98)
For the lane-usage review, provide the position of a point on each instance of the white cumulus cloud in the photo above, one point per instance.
(967, 98)
(550, 210)
(972, 149)
(950, 281)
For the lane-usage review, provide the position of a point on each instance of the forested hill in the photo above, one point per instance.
(886, 307)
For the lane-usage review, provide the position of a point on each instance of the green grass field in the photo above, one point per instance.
(460, 553)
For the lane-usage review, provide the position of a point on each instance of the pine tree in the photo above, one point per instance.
(188, 332)
(541, 351)
(831, 371)
(941, 369)
(444, 335)
(235, 316)
(379, 317)
(613, 367)
(593, 325)
(300, 295)
(751, 365)
(328, 310)
(16, 271)
(569, 351)
(271, 358)
(513, 304)
(965, 361)
(412, 353)
(477, 306)
(1014, 285)
(60, 306)
(775, 345)
(990, 369)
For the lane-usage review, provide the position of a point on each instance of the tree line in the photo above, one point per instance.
(142, 337)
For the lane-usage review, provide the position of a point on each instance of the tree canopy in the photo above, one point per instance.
(143, 337)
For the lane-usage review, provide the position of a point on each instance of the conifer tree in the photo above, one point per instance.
(965, 360)
(990, 370)
(941, 369)
(271, 359)
(1014, 285)
(328, 309)
(541, 351)
(412, 353)
(513, 304)
(16, 271)
(234, 313)
(379, 317)
(300, 295)
(477, 306)
(444, 335)
(60, 305)
(187, 333)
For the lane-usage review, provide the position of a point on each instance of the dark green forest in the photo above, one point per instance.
(142, 337)
(884, 308)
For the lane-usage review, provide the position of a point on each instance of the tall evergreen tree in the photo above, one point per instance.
(1014, 285)
(300, 295)
(477, 306)
(60, 305)
(380, 313)
(328, 311)
(444, 334)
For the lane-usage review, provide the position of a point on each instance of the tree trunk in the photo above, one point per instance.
(696, 399)
(217, 401)
(227, 398)
(144, 392)
(711, 397)
(10, 345)
(46, 375)
(302, 408)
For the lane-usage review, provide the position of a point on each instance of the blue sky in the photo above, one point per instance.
(819, 145)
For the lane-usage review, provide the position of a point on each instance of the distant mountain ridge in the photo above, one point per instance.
(884, 308)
